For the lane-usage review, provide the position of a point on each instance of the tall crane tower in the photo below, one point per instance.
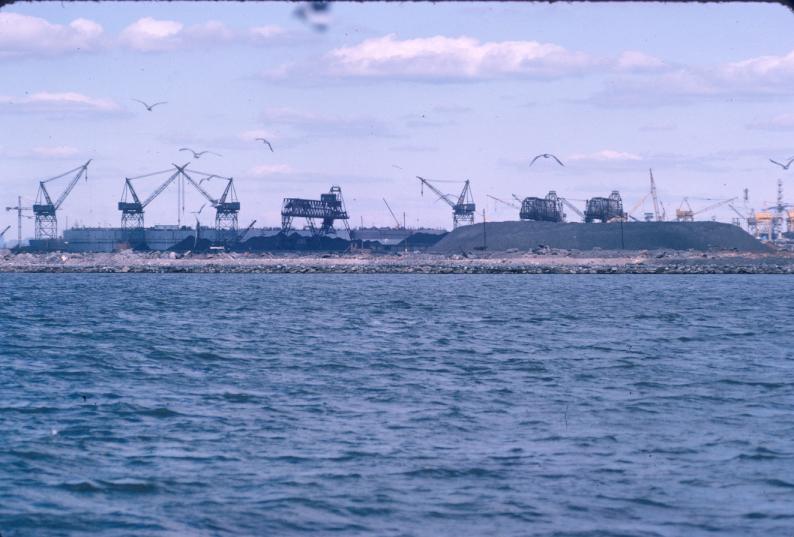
(462, 209)
(659, 215)
(227, 206)
(45, 210)
(19, 209)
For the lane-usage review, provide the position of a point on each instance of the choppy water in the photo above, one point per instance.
(396, 405)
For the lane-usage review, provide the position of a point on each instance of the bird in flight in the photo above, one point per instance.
(199, 211)
(207, 178)
(198, 155)
(150, 106)
(784, 166)
(266, 143)
(546, 155)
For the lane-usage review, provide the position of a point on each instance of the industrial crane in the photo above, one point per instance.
(659, 215)
(637, 206)
(45, 210)
(572, 207)
(132, 211)
(245, 231)
(19, 209)
(226, 207)
(4, 231)
(396, 220)
(462, 209)
(503, 202)
(688, 215)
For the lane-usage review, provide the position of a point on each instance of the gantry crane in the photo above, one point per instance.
(462, 209)
(45, 210)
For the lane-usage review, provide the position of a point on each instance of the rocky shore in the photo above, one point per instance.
(537, 261)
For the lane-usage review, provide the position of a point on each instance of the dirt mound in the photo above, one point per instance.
(616, 236)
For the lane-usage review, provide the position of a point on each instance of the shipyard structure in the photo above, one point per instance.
(323, 223)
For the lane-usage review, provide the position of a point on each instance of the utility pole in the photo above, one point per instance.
(19, 208)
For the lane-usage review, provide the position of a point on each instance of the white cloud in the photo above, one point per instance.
(442, 57)
(148, 35)
(635, 61)
(23, 35)
(265, 33)
(782, 122)
(605, 155)
(47, 102)
(60, 151)
(153, 35)
(263, 170)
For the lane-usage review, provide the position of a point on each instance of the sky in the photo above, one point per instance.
(700, 93)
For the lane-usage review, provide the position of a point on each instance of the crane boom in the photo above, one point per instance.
(440, 194)
(714, 206)
(245, 231)
(204, 193)
(659, 216)
(508, 203)
(4, 231)
(396, 220)
(572, 207)
(83, 170)
(639, 204)
(157, 192)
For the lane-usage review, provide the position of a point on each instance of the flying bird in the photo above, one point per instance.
(201, 209)
(207, 178)
(150, 106)
(198, 155)
(395, 166)
(266, 143)
(546, 155)
(784, 166)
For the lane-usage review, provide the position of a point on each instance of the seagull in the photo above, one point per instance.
(784, 166)
(198, 155)
(546, 155)
(199, 211)
(150, 106)
(395, 166)
(207, 178)
(265, 142)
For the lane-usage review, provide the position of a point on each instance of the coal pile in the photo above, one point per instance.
(500, 236)
(293, 242)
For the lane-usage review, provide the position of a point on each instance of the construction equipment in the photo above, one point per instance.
(572, 207)
(227, 206)
(396, 220)
(607, 209)
(242, 235)
(503, 202)
(19, 209)
(683, 214)
(658, 214)
(637, 206)
(462, 209)
(132, 207)
(330, 207)
(2, 233)
(45, 210)
(548, 209)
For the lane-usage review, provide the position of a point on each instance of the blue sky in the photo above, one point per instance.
(702, 94)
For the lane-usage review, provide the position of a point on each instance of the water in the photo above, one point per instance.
(396, 405)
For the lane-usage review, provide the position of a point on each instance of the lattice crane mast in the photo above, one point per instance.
(462, 209)
(658, 214)
(503, 202)
(45, 210)
(572, 207)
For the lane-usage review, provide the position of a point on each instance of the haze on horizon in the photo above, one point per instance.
(701, 93)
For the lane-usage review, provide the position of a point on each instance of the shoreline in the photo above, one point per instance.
(536, 262)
